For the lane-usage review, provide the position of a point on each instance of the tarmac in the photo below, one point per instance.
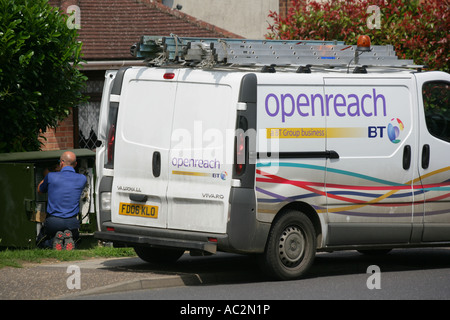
(75, 279)
(60, 280)
(67, 280)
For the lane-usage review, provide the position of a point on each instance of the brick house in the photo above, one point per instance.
(107, 29)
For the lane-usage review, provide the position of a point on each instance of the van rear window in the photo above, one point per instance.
(436, 100)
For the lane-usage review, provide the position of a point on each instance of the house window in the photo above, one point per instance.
(88, 116)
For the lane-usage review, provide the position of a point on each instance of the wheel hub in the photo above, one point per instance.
(291, 246)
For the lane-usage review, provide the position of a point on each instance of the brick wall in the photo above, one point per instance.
(64, 4)
(62, 137)
(284, 7)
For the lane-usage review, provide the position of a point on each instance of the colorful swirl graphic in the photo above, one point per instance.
(347, 193)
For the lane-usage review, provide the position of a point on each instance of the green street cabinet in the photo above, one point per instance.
(22, 208)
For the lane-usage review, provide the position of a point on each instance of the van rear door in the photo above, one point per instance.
(103, 174)
(203, 137)
(142, 145)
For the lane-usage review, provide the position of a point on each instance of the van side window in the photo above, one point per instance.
(436, 100)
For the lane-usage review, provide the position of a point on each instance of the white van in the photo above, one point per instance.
(279, 164)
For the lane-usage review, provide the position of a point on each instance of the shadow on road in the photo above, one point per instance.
(224, 268)
(353, 262)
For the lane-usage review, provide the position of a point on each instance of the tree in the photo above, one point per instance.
(417, 29)
(39, 79)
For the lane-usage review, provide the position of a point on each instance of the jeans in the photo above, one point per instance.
(54, 224)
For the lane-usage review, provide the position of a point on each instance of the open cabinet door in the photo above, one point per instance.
(17, 202)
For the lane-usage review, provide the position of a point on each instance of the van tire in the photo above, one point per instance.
(158, 255)
(291, 246)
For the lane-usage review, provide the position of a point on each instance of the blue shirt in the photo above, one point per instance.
(64, 190)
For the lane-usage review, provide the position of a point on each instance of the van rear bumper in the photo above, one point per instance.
(175, 239)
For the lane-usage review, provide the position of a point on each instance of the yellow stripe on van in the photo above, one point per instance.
(346, 132)
(308, 133)
(295, 133)
(190, 173)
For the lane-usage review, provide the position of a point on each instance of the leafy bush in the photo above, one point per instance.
(39, 81)
(418, 31)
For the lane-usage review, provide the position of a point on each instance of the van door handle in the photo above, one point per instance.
(156, 164)
(331, 154)
(425, 156)
(407, 157)
(138, 197)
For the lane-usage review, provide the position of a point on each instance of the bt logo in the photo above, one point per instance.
(393, 129)
(223, 175)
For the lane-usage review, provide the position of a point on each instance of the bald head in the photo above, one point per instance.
(68, 158)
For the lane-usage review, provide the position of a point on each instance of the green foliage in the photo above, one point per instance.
(39, 81)
(418, 31)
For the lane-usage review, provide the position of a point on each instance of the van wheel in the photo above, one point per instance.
(291, 246)
(158, 255)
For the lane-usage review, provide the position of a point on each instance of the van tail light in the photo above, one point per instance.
(110, 143)
(110, 148)
(169, 75)
(240, 153)
(241, 141)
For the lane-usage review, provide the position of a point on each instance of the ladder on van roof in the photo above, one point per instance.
(211, 52)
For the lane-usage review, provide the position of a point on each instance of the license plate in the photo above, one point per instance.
(138, 210)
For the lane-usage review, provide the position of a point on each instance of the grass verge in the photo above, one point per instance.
(17, 257)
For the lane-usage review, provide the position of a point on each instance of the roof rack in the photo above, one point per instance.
(216, 52)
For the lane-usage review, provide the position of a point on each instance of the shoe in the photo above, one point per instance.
(69, 244)
(58, 241)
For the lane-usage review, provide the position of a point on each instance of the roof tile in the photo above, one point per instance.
(110, 27)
